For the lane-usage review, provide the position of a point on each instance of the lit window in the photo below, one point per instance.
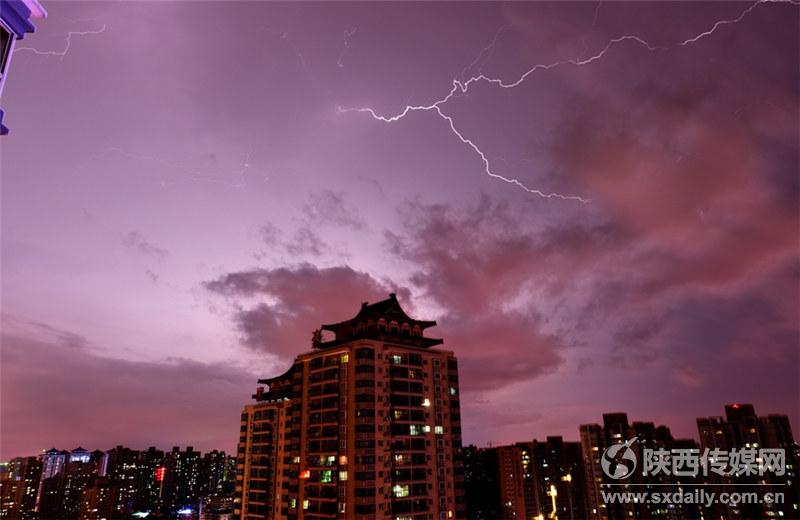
(342, 475)
(292, 503)
(396, 359)
(326, 476)
(296, 460)
(438, 430)
(331, 460)
(453, 390)
(305, 474)
(400, 491)
(414, 429)
(426, 402)
(449, 513)
(426, 429)
(343, 460)
(345, 358)
(305, 504)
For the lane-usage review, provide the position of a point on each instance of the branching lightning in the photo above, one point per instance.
(68, 40)
(462, 87)
(348, 33)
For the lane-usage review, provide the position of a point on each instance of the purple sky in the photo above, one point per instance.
(184, 200)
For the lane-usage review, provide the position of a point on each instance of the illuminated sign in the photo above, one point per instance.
(160, 472)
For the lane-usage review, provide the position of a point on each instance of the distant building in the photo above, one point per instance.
(366, 425)
(15, 23)
(526, 480)
(512, 482)
(124, 468)
(482, 483)
(217, 474)
(181, 484)
(99, 501)
(60, 495)
(24, 474)
(742, 428)
(616, 429)
(53, 461)
(555, 470)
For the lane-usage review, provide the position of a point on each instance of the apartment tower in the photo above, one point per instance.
(364, 426)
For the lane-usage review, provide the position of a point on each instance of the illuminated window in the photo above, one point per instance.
(305, 474)
(305, 504)
(426, 402)
(414, 429)
(342, 475)
(342, 507)
(438, 430)
(426, 429)
(453, 390)
(343, 460)
(331, 460)
(296, 460)
(345, 358)
(400, 491)
(396, 359)
(398, 414)
(292, 503)
(326, 476)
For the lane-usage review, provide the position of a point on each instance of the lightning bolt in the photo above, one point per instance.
(348, 33)
(68, 39)
(462, 87)
(488, 49)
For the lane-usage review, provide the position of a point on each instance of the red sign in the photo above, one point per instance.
(160, 472)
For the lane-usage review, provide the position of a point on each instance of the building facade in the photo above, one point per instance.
(15, 22)
(740, 429)
(366, 425)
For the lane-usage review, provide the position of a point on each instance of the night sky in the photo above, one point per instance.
(190, 188)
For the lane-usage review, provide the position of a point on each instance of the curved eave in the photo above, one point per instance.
(406, 341)
(270, 380)
(333, 327)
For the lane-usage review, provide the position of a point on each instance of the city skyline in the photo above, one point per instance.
(180, 212)
(524, 479)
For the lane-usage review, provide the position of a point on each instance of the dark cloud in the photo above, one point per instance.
(151, 275)
(135, 240)
(56, 389)
(301, 299)
(329, 207)
(517, 295)
(476, 264)
(269, 234)
(306, 242)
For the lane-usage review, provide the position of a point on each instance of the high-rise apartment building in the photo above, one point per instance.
(616, 429)
(555, 469)
(482, 480)
(22, 478)
(366, 425)
(741, 429)
(181, 479)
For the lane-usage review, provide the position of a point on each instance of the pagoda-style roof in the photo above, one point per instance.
(384, 320)
(278, 387)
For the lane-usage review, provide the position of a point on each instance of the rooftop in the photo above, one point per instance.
(385, 321)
